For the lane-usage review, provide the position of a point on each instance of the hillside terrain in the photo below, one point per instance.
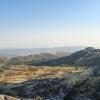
(3, 60)
(61, 53)
(47, 77)
(87, 57)
(27, 60)
(29, 82)
(53, 83)
(37, 58)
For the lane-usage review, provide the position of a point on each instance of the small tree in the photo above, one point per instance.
(76, 66)
(86, 66)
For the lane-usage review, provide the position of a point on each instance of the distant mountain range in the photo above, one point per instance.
(25, 52)
(86, 57)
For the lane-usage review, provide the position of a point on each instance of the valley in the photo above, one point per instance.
(48, 77)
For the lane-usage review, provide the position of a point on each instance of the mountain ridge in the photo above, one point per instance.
(87, 57)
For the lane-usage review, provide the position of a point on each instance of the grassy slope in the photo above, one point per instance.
(30, 82)
(51, 82)
(21, 73)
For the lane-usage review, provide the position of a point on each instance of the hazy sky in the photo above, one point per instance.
(49, 23)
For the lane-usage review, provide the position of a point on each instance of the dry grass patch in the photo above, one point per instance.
(21, 73)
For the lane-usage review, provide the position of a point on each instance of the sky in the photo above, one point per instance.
(49, 23)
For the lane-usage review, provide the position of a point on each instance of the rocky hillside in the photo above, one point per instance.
(61, 53)
(3, 60)
(81, 84)
(86, 57)
(53, 83)
(30, 82)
